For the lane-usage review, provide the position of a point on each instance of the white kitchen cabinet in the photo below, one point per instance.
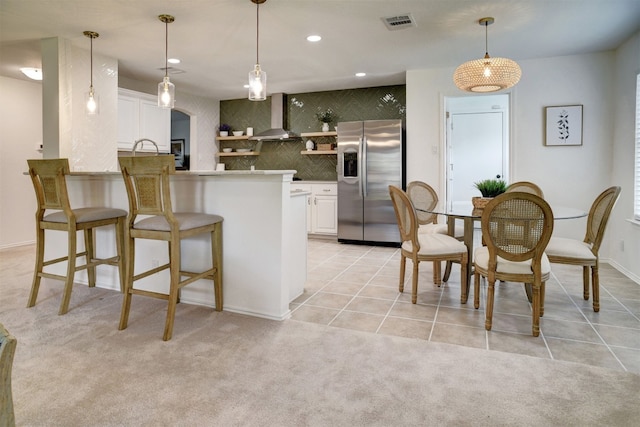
(140, 117)
(322, 207)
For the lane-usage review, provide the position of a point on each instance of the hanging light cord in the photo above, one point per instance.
(91, 62)
(486, 39)
(257, 31)
(166, 48)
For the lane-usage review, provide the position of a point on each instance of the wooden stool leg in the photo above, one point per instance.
(90, 255)
(71, 268)
(130, 252)
(216, 248)
(174, 287)
(120, 252)
(35, 286)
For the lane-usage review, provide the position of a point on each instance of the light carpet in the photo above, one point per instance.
(234, 370)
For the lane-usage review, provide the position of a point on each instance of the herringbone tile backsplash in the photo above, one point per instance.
(377, 103)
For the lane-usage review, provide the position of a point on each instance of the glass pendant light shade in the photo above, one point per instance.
(257, 77)
(166, 93)
(257, 84)
(487, 74)
(91, 100)
(166, 89)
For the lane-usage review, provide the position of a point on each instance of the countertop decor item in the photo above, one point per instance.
(489, 188)
(238, 132)
(310, 145)
(326, 117)
(224, 129)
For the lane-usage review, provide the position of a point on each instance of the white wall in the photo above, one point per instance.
(621, 231)
(569, 176)
(20, 132)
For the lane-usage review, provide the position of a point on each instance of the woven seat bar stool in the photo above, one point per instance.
(48, 177)
(147, 182)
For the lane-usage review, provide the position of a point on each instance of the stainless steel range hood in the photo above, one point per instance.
(278, 121)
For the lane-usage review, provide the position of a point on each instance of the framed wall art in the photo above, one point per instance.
(563, 125)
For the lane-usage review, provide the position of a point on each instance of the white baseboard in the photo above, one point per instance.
(17, 245)
(623, 270)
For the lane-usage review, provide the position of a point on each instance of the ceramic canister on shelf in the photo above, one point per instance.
(249, 131)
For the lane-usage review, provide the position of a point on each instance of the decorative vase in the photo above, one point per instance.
(480, 202)
(325, 127)
(224, 133)
(310, 145)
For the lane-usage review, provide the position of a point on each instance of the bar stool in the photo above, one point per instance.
(48, 177)
(147, 182)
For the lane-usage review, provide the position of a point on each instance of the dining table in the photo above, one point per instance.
(468, 214)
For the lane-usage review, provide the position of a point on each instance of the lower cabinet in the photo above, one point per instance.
(322, 207)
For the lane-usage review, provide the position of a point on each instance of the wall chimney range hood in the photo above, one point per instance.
(278, 121)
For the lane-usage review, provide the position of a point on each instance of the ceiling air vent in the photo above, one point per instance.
(399, 22)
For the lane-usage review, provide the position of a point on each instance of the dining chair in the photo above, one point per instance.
(49, 182)
(434, 247)
(147, 183)
(8, 345)
(525, 187)
(425, 200)
(585, 252)
(516, 228)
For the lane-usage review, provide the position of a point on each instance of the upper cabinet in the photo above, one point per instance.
(140, 117)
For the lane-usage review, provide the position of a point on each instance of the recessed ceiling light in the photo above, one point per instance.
(361, 74)
(314, 38)
(32, 73)
(173, 61)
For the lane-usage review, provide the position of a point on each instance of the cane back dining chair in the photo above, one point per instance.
(425, 199)
(7, 351)
(585, 252)
(525, 187)
(147, 183)
(434, 247)
(516, 228)
(49, 182)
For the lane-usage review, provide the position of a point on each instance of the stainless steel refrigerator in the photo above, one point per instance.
(370, 158)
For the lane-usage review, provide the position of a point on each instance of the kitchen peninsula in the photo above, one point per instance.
(264, 236)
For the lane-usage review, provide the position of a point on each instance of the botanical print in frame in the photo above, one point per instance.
(563, 125)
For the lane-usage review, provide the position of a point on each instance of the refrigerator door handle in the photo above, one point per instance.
(363, 166)
(360, 168)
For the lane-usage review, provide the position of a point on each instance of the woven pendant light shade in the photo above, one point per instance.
(487, 74)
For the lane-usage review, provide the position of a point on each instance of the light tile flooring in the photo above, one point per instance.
(356, 287)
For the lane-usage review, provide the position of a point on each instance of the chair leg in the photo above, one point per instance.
(403, 265)
(489, 309)
(130, 252)
(527, 290)
(89, 249)
(216, 248)
(447, 271)
(476, 290)
(536, 309)
(595, 282)
(437, 268)
(542, 288)
(585, 282)
(35, 286)
(174, 287)
(120, 251)
(464, 281)
(414, 282)
(71, 268)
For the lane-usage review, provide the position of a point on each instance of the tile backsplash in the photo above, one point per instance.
(376, 103)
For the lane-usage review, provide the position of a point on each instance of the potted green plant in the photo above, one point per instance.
(326, 117)
(489, 188)
(224, 129)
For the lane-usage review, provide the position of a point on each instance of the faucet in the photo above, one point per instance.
(141, 141)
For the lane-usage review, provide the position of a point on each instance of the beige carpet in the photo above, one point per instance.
(223, 369)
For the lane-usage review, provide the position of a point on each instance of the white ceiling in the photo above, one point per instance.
(216, 39)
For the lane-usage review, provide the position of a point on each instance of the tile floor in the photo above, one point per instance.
(356, 287)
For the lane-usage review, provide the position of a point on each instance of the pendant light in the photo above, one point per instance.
(487, 74)
(92, 106)
(166, 89)
(257, 77)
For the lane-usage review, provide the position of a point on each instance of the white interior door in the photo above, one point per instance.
(476, 150)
